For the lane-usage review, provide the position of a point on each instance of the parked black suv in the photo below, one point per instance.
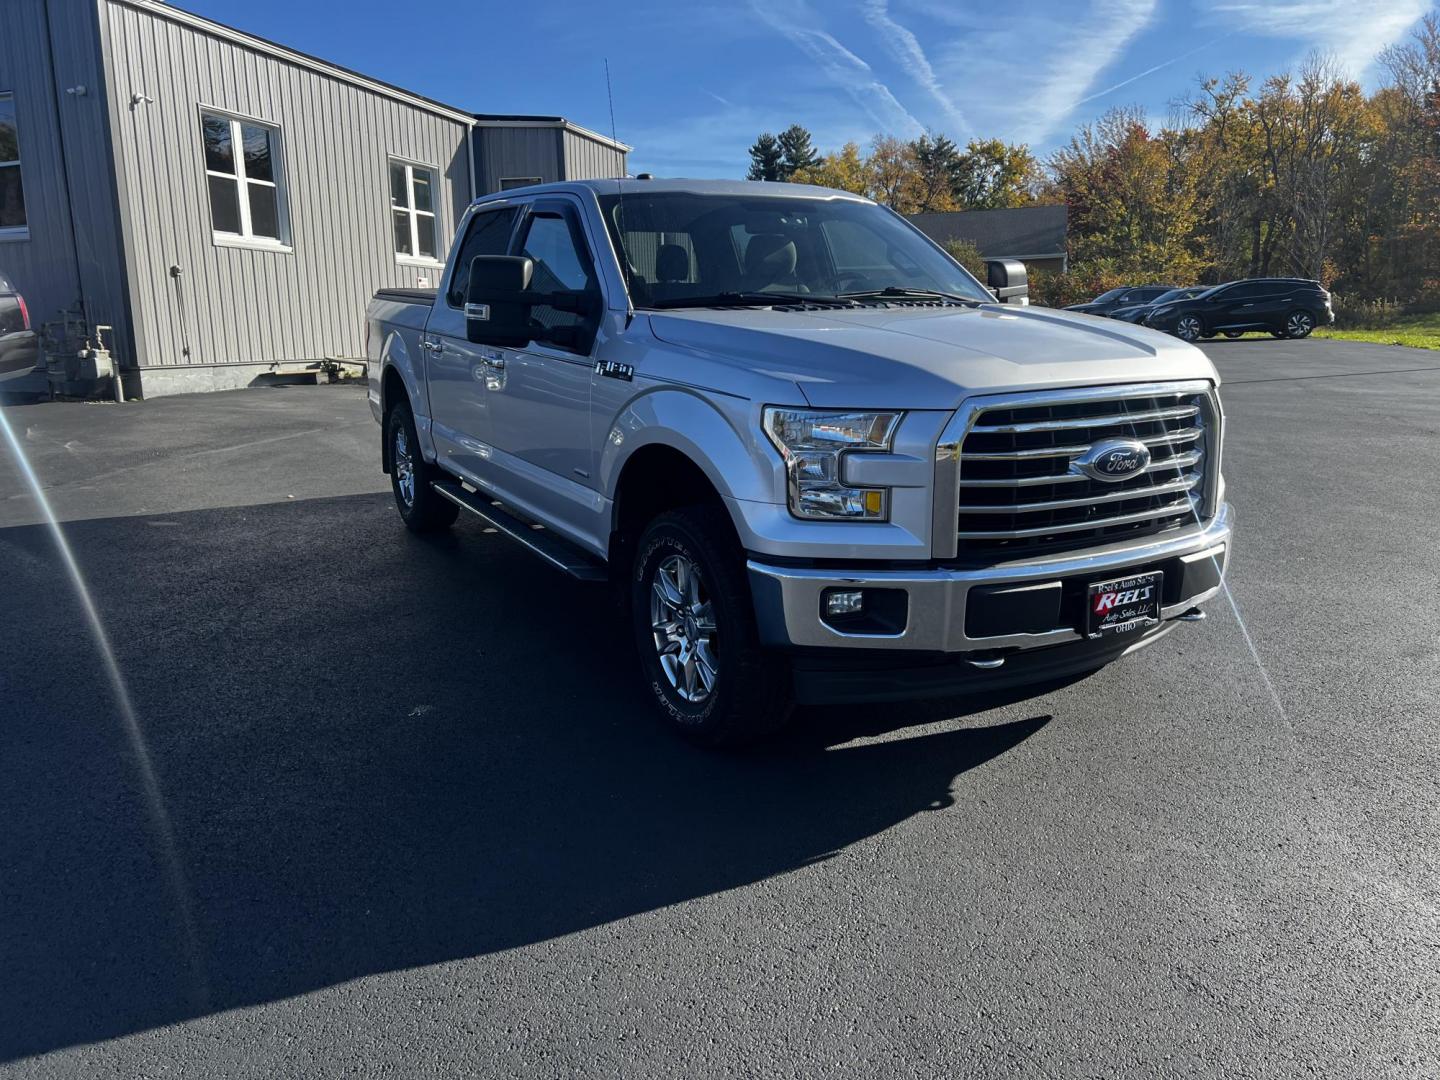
(1286, 307)
(1126, 296)
(19, 350)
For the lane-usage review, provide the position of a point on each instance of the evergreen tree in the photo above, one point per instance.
(767, 160)
(797, 151)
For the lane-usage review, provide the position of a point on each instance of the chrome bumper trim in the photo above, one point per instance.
(787, 600)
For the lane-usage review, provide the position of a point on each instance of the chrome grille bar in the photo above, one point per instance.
(1179, 461)
(1168, 488)
(1179, 412)
(1183, 435)
(1175, 509)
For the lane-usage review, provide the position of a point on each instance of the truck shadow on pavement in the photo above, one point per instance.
(375, 752)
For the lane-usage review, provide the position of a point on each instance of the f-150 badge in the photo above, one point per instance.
(612, 369)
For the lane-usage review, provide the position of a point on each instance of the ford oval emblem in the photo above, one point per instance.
(1113, 460)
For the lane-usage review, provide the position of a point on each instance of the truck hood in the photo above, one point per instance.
(929, 358)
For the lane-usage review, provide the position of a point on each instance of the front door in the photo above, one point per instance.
(540, 400)
(460, 373)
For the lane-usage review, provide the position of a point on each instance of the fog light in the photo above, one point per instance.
(838, 602)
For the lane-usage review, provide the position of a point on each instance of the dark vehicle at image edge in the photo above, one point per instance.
(1125, 296)
(1286, 307)
(19, 349)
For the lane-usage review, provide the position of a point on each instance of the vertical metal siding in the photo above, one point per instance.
(586, 159)
(238, 305)
(516, 151)
(42, 266)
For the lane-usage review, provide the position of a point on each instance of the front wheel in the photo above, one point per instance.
(1189, 328)
(1299, 324)
(694, 629)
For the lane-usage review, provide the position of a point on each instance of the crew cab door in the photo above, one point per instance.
(458, 373)
(539, 401)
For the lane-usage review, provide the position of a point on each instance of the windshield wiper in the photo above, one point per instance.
(912, 294)
(746, 299)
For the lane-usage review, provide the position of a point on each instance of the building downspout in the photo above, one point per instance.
(64, 155)
(470, 156)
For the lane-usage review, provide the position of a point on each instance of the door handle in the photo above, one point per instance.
(434, 347)
(495, 361)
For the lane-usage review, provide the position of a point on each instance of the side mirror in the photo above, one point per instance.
(497, 301)
(1008, 281)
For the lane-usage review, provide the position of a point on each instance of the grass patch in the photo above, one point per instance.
(1416, 331)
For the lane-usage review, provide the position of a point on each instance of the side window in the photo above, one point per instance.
(488, 234)
(562, 263)
(247, 199)
(412, 210)
(1249, 292)
(12, 194)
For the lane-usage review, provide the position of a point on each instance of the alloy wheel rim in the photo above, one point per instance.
(682, 625)
(404, 467)
(1299, 323)
(1189, 328)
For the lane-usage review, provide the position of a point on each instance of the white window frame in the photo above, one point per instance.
(414, 215)
(518, 182)
(245, 237)
(12, 233)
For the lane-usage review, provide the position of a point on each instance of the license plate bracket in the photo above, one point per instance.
(1120, 605)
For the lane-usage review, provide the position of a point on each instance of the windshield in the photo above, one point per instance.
(1106, 297)
(683, 249)
(1174, 294)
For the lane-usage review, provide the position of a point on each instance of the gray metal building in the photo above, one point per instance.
(225, 203)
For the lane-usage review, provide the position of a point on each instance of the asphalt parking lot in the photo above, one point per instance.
(396, 806)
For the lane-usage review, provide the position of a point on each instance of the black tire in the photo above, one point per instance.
(1277, 333)
(748, 694)
(1233, 334)
(1298, 324)
(420, 507)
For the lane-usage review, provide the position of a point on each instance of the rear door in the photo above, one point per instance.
(459, 374)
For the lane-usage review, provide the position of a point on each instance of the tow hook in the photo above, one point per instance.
(1193, 615)
(986, 661)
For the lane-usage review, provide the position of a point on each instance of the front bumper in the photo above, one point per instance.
(957, 611)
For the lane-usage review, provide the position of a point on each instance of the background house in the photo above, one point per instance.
(225, 203)
(1033, 234)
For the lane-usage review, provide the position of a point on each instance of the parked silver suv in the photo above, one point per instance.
(820, 459)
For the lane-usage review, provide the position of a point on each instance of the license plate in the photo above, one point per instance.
(1122, 604)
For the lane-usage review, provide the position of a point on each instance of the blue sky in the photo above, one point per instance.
(695, 82)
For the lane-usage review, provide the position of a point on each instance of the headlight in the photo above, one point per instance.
(814, 445)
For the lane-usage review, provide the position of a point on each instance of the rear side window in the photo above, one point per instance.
(488, 234)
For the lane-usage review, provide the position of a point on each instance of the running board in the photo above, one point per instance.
(559, 553)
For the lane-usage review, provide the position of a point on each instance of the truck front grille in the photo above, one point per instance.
(1018, 494)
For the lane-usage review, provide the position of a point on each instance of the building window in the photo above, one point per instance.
(412, 211)
(12, 193)
(508, 183)
(247, 201)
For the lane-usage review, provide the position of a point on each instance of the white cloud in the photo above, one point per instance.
(839, 65)
(1092, 47)
(1351, 30)
(905, 47)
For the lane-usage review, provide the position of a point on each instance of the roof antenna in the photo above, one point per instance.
(619, 201)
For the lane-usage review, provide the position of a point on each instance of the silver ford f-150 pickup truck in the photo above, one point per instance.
(819, 459)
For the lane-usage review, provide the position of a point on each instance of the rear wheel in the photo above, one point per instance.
(693, 625)
(1189, 328)
(1299, 324)
(420, 507)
